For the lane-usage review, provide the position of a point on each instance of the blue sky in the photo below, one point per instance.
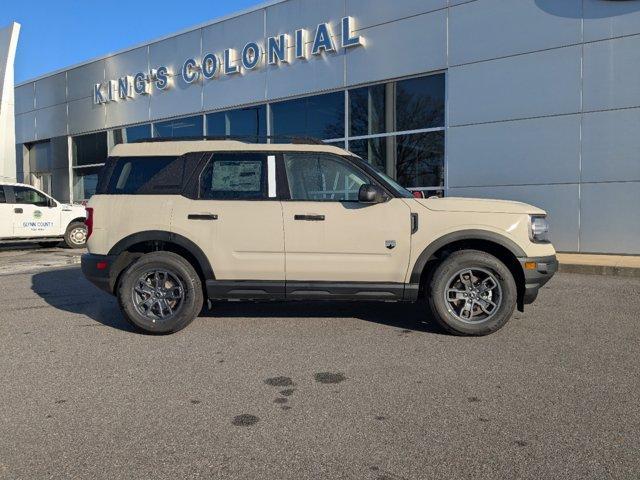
(60, 33)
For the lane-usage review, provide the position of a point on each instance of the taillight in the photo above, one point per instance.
(89, 221)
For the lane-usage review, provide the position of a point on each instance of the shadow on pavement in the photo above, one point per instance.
(67, 290)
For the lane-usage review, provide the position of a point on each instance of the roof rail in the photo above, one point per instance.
(241, 138)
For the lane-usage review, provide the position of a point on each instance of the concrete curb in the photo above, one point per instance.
(605, 270)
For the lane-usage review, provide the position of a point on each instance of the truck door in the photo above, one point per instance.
(6, 215)
(33, 215)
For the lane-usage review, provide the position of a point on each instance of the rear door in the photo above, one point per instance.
(331, 237)
(33, 216)
(236, 219)
(6, 215)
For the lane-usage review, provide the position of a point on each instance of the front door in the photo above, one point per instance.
(33, 215)
(6, 215)
(237, 221)
(331, 237)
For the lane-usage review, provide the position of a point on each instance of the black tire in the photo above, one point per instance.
(447, 314)
(71, 237)
(182, 276)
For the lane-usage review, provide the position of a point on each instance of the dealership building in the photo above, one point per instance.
(530, 100)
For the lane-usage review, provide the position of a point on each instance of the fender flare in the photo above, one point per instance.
(163, 236)
(418, 267)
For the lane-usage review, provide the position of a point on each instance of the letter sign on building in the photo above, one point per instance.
(273, 51)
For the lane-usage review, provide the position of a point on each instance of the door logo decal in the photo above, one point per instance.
(37, 214)
(390, 244)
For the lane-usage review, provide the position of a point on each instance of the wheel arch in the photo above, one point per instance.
(503, 248)
(76, 220)
(132, 247)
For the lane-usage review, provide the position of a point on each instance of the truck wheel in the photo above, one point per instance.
(160, 293)
(76, 235)
(472, 293)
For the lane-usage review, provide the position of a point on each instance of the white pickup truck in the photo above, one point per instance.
(30, 215)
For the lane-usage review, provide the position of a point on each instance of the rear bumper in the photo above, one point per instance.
(97, 269)
(536, 278)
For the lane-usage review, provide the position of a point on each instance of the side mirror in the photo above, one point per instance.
(371, 194)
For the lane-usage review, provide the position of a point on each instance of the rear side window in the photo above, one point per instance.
(147, 176)
(235, 176)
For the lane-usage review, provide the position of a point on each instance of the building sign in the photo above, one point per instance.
(274, 51)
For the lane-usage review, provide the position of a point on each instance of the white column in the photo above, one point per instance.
(8, 44)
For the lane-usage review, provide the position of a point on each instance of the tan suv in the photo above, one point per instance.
(175, 223)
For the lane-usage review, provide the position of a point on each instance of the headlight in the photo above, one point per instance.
(539, 229)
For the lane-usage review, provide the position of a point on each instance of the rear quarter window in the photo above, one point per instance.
(146, 176)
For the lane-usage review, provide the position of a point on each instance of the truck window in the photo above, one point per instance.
(2, 197)
(29, 196)
(235, 176)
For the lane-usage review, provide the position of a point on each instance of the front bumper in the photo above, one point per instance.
(536, 276)
(97, 269)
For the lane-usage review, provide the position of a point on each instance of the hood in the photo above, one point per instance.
(70, 207)
(479, 205)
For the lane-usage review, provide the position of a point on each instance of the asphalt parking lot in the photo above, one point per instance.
(310, 391)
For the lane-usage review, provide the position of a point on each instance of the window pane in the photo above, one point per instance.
(40, 157)
(367, 110)
(28, 196)
(373, 151)
(2, 197)
(420, 103)
(132, 134)
(319, 117)
(234, 177)
(85, 181)
(248, 123)
(146, 175)
(322, 178)
(420, 160)
(90, 149)
(180, 128)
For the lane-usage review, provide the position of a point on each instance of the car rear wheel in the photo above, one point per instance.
(472, 293)
(160, 293)
(76, 235)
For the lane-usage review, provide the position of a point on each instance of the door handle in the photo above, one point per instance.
(202, 216)
(18, 210)
(309, 218)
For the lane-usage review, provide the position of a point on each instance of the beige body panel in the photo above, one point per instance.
(119, 216)
(246, 242)
(350, 244)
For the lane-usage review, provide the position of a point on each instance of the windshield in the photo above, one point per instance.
(372, 169)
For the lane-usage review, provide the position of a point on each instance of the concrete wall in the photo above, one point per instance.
(8, 45)
(543, 95)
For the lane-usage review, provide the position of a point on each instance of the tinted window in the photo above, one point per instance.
(420, 160)
(322, 178)
(367, 110)
(2, 197)
(146, 175)
(182, 127)
(132, 134)
(85, 182)
(90, 149)
(420, 103)
(28, 196)
(234, 177)
(320, 117)
(247, 123)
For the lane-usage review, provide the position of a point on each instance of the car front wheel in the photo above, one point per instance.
(76, 235)
(160, 293)
(472, 293)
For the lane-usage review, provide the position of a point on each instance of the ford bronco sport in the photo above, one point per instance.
(175, 223)
(30, 215)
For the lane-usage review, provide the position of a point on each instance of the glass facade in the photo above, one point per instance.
(179, 128)
(249, 124)
(398, 127)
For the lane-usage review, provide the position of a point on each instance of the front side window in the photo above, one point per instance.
(29, 196)
(321, 178)
(3, 199)
(235, 177)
